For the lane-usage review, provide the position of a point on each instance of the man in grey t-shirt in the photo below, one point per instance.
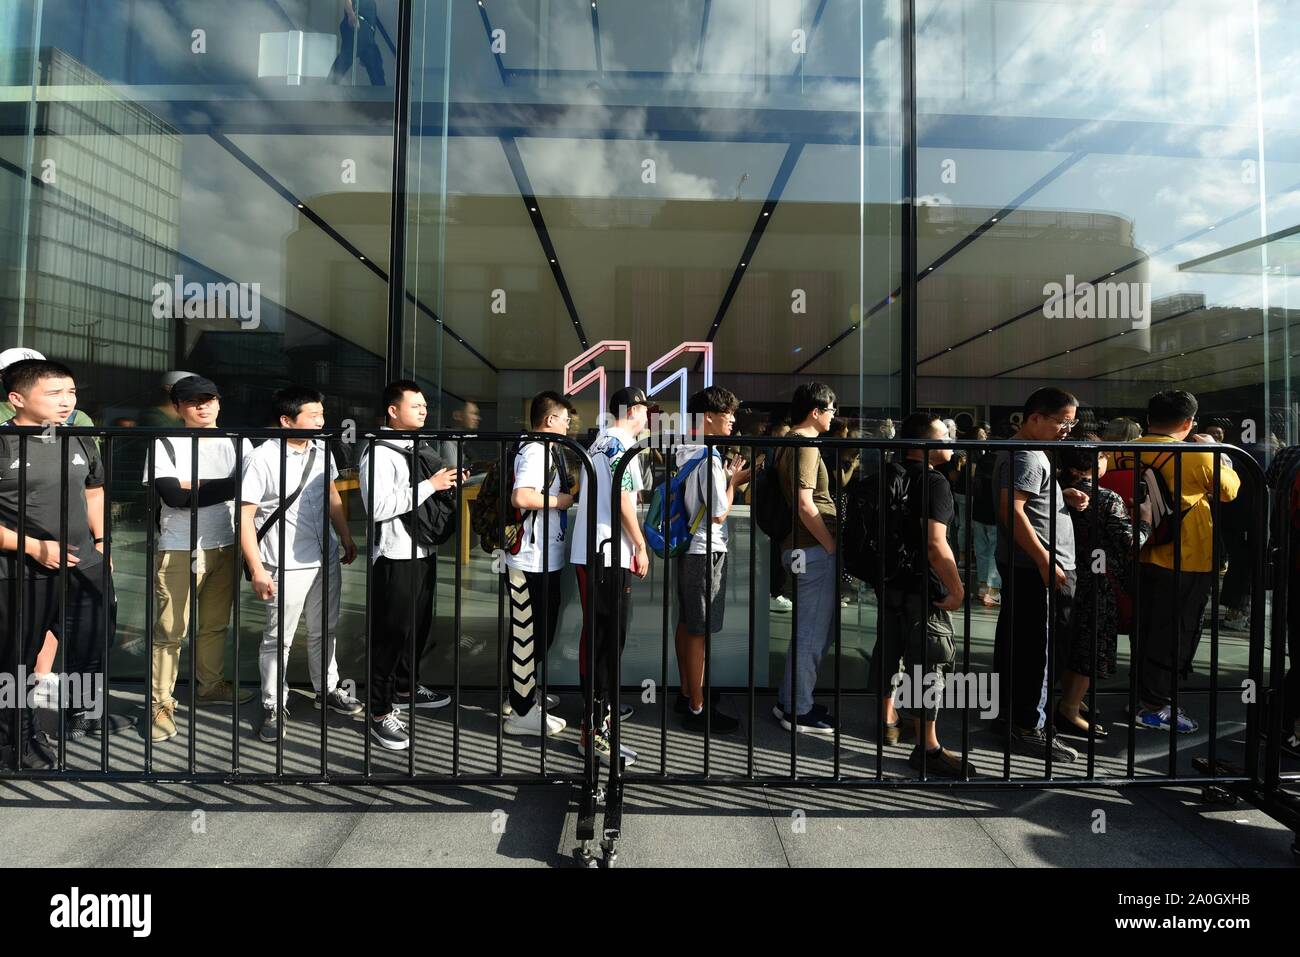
(1032, 474)
(1033, 517)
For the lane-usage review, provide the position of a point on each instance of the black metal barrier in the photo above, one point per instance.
(1255, 778)
(78, 444)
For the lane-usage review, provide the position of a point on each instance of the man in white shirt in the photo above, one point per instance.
(609, 609)
(406, 570)
(702, 571)
(283, 541)
(541, 499)
(210, 499)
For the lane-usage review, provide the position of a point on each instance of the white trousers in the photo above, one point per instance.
(302, 590)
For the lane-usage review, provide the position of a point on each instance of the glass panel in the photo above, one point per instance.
(720, 171)
(205, 189)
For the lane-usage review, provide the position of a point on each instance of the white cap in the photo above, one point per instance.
(10, 356)
(169, 379)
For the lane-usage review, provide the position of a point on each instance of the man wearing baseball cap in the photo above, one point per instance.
(197, 402)
(609, 609)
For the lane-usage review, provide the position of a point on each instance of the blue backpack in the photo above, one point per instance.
(681, 526)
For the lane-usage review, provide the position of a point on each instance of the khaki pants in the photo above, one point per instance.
(215, 589)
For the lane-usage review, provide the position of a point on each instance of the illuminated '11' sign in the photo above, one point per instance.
(597, 375)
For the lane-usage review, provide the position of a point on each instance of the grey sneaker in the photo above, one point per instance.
(390, 732)
(1033, 742)
(271, 723)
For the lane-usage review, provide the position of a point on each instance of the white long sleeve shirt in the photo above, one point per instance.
(392, 498)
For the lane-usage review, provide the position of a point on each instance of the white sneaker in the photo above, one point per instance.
(780, 604)
(552, 702)
(531, 723)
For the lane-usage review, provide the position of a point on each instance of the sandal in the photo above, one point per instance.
(1065, 726)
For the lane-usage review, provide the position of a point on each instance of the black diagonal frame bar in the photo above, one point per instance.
(511, 148)
(922, 275)
(774, 193)
(397, 253)
(397, 217)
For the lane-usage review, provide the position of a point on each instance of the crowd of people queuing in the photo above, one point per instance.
(1060, 536)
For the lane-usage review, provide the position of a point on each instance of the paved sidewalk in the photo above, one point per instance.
(76, 825)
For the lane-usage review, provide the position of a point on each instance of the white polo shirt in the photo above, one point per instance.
(304, 520)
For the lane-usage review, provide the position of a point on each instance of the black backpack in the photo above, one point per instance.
(434, 522)
(861, 540)
(771, 507)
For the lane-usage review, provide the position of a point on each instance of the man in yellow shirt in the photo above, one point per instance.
(1170, 616)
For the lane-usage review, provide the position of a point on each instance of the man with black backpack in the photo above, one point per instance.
(272, 512)
(209, 497)
(413, 507)
(1172, 617)
(916, 599)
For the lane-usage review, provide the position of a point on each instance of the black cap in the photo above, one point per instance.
(193, 387)
(629, 396)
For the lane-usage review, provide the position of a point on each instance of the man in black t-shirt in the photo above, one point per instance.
(915, 621)
(44, 393)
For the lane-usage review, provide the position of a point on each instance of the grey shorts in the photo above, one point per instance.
(695, 580)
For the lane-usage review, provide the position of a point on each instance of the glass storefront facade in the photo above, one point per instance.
(924, 203)
(551, 175)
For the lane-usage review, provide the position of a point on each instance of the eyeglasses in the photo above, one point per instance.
(1062, 425)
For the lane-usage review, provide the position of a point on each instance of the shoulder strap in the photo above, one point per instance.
(286, 503)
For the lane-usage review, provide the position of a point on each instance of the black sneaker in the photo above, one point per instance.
(1034, 743)
(37, 755)
(424, 698)
(271, 723)
(340, 701)
(682, 705)
(79, 724)
(390, 732)
(810, 722)
(719, 723)
(941, 763)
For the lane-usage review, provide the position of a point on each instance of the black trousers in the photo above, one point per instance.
(606, 595)
(776, 585)
(1170, 623)
(1236, 582)
(401, 607)
(367, 51)
(1020, 648)
(534, 606)
(90, 607)
(1291, 686)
